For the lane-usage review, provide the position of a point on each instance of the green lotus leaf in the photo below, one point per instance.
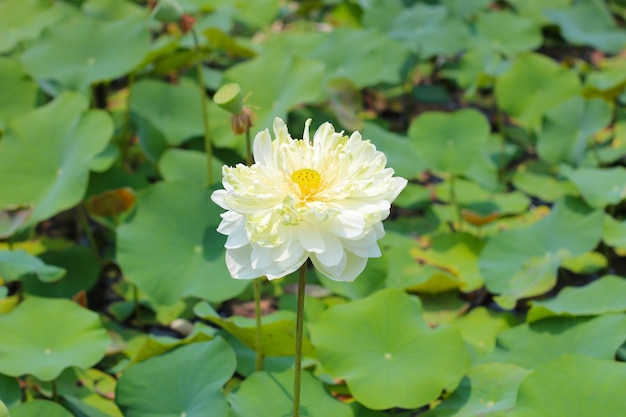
(536, 276)
(614, 234)
(4, 412)
(480, 327)
(22, 20)
(542, 185)
(174, 110)
(279, 330)
(609, 81)
(485, 390)
(507, 33)
(82, 274)
(522, 262)
(39, 408)
(587, 263)
(533, 85)
(465, 9)
(476, 68)
(590, 23)
(568, 128)
(10, 391)
(386, 352)
(584, 386)
(449, 142)
(451, 255)
(603, 296)
(184, 382)
(187, 165)
(401, 156)
(342, 60)
(88, 392)
(534, 9)
(599, 187)
(251, 397)
(51, 181)
(158, 345)
(381, 13)
(475, 197)
(176, 223)
(530, 345)
(19, 92)
(430, 30)
(277, 82)
(16, 264)
(85, 50)
(42, 347)
(111, 9)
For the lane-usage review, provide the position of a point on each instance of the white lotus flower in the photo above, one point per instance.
(324, 200)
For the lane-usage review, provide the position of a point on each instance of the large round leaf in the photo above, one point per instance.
(19, 92)
(532, 85)
(450, 142)
(507, 33)
(82, 273)
(174, 110)
(531, 345)
(522, 262)
(604, 296)
(186, 165)
(268, 394)
(34, 342)
(25, 19)
(486, 389)
(386, 352)
(84, 50)
(573, 385)
(171, 248)
(568, 128)
(430, 30)
(278, 82)
(10, 391)
(18, 263)
(39, 408)
(589, 23)
(599, 187)
(184, 382)
(45, 154)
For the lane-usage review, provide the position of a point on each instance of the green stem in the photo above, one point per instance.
(258, 365)
(392, 412)
(454, 201)
(297, 375)
(205, 111)
(84, 224)
(248, 147)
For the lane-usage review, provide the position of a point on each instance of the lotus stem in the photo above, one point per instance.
(258, 364)
(297, 375)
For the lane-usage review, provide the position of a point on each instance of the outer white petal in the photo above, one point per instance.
(311, 239)
(231, 221)
(237, 239)
(347, 270)
(347, 224)
(262, 149)
(218, 198)
(238, 263)
(334, 250)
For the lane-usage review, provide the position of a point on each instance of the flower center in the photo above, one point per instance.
(308, 180)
